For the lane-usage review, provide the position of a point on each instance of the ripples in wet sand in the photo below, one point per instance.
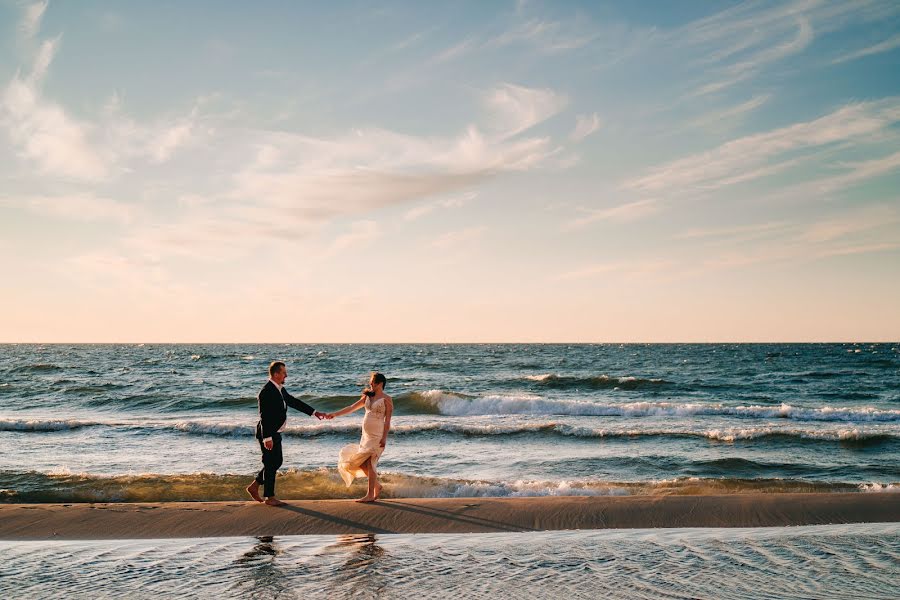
(833, 561)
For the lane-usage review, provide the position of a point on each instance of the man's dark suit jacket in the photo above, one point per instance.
(273, 409)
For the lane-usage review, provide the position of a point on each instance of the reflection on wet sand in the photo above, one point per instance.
(262, 576)
(363, 569)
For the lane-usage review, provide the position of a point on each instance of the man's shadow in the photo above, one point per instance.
(336, 520)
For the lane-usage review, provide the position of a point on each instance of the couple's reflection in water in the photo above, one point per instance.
(273, 572)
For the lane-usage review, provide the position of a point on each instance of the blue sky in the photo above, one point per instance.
(484, 171)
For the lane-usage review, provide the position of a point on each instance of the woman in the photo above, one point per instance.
(360, 460)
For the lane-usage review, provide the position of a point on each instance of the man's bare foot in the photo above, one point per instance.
(378, 491)
(274, 502)
(366, 498)
(253, 490)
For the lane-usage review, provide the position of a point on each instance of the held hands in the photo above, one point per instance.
(321, 415)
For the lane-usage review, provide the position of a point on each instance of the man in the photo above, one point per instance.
(273, 401)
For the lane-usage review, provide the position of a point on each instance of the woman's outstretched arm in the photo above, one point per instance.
(349, 409)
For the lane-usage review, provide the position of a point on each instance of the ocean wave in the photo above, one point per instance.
(470, 429)
(35, 425)
(36, 368)
(317, 484)
(440, 402)
(603, 382)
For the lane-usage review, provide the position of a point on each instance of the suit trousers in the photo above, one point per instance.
(271, 460)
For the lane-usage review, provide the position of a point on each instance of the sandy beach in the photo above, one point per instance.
(436, 515)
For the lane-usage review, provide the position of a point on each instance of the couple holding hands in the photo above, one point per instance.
(354, 460)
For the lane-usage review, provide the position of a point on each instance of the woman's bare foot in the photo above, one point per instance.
(253, 490)
(377, 491)
(366, 498)
(274, 502)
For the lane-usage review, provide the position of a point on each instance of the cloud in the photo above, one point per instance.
(517, 108)
(636, 269)
(546, 36)
(732, 233)
(455, 51)
(457, 239)
(361, 233)
(732, 113)
(31, 20)
(624, 213)
(585, 125)
(849, 224)
(284, 196)
(764, 153)
(420, 211)
(743, 70)
(741, 42)
(885, 46)
(43, 132)
(78, 207)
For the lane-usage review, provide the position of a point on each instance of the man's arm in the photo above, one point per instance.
(298, 404)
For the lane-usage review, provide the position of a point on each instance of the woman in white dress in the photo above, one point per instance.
(360, 460)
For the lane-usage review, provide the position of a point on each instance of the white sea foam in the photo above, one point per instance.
(522, 404)
(879, 487)
(43, 424)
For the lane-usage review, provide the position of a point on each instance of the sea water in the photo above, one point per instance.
(176, 422)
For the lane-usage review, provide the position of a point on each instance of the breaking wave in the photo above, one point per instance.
(448, 403)
(33, 487)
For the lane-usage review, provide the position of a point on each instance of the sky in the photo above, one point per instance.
(528, 171)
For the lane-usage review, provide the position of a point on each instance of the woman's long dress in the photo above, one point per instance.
(352, 456)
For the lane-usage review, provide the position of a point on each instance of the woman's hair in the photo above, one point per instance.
(379, 378)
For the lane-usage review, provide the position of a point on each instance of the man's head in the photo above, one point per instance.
(278, 372)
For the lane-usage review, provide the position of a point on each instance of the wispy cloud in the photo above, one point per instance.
(748, 67)
(79, 207)
(31, 20)
(739, 43)
(730, 162)
(294, 185)
(741, 232)
(361, 233)
(885, 46)
(546, 36)
(624, 213)
(849, 224)
(517, 108)
(634, 269)
(459, 239)
(585, 125)
(44, 132)
(421, 210)
(730, 114)
(455, 51)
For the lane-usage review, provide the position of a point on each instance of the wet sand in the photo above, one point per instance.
(437, 515)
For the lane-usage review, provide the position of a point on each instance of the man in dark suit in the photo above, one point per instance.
(273, 401)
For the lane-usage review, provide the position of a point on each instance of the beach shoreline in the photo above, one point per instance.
(437, 515)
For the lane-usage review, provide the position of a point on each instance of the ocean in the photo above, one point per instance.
(146, 422)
